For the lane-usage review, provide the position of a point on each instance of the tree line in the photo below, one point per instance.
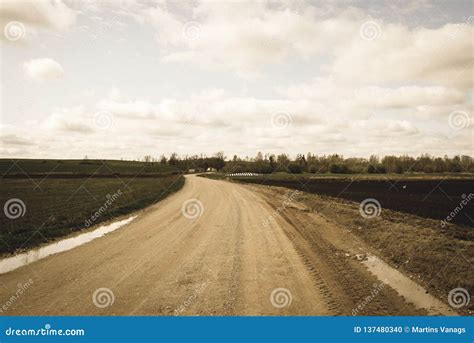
(311, 163)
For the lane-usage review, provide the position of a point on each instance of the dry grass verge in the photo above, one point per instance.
(440, 259)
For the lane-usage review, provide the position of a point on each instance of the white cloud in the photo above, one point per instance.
(440, 56)
(131, 109)
(386, 128)
(51, 14)
(14, 140)
(246, 37)
(408, 96)
(331, 93)
(70, 120)
(43, 69)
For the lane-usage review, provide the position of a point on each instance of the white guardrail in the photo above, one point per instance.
(243, 174)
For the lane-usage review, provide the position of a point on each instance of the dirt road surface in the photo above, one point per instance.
(213, 248)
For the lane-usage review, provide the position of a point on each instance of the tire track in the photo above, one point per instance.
(345, 283)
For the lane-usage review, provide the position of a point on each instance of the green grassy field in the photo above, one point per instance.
(55, 207)
(36, 166)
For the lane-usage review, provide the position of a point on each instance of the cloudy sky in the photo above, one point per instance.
(122, 79)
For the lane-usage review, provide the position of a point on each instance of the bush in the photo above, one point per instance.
(313, 169)
(338, 168)
(428, 169)
(456, 169)
(266, 169)
(295, 168)
(379, 169)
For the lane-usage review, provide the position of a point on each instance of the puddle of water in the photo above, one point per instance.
(407, 288)
(17, 261)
